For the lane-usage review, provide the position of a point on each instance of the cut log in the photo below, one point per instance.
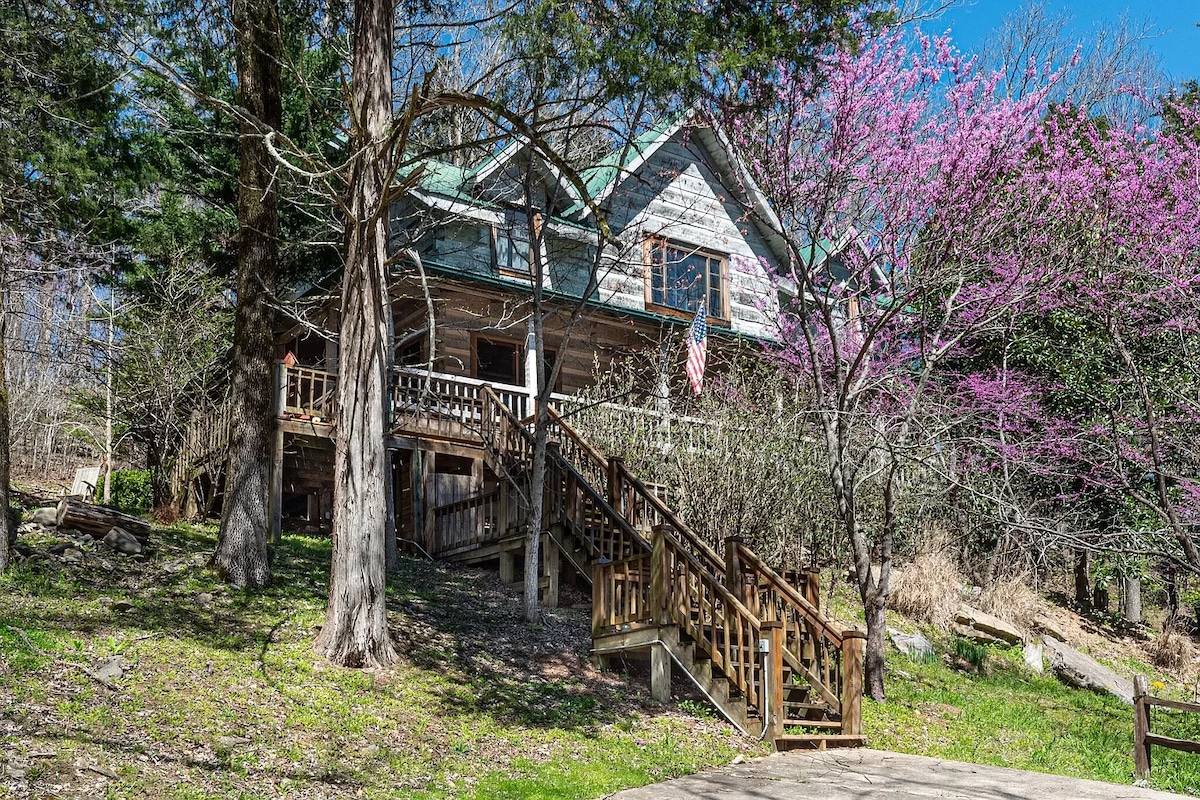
(99, 520)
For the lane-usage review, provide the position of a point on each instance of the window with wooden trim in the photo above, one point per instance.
(511, 244)
(503, 361)
(679, 278)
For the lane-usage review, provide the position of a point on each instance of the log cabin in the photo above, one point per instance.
(473, 244)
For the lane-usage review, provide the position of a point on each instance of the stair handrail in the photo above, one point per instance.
(747, 675)
(510, 425)
(611, 468)
(836, 671)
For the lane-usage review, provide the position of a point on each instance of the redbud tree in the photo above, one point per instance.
(919, 220)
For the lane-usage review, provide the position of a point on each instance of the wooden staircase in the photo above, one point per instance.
(754, 643)
(757, 646)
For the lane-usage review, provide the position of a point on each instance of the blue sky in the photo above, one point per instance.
(1178, 45)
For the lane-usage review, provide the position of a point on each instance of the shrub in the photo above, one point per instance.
(1011, 600)
(927, 590)
(1173, 650)
(132, 490)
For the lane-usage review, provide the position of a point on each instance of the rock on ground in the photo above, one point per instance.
(47, 517)
(1083, 672)
(1033, 656)
(976, 635)
(123, 541)
(974, 618)
(913, 645)
(1049, 627)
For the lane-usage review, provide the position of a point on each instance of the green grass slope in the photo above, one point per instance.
(1012, 717)
(222, 697)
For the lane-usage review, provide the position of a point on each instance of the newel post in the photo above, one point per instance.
(853, 644)
(659, 590)
(1141, 727)
(772, 632)
(615, 466)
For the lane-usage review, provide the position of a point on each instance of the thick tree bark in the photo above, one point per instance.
(355, 633)
(242, 556)
(6, 529)
(1131, 596)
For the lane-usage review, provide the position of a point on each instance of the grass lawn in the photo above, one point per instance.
(221, 695)
(1011, 717)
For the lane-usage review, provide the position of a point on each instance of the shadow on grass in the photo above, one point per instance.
(170, 591)
(461, 624)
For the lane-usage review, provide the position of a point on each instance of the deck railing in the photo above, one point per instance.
(423, 399)
(308, 394)
(205, 441)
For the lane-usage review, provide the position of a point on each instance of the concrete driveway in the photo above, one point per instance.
(876, 775)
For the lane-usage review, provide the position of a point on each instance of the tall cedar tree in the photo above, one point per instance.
(355, 633)
(241, 555)
(355, 630)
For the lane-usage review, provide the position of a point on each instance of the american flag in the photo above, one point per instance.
(697, 347)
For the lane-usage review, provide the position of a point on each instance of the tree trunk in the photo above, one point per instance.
(1083, 580)
(875, 612)
(1132, 599)
(6, 528)
(242, 556)
(355, 633)
(537, 484)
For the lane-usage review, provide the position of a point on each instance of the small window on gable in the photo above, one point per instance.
(511, 244)
(679, 278)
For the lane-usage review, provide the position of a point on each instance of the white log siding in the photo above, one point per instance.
(678, 195)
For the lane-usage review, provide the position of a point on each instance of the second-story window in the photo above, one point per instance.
(512, 244)
(680, 278)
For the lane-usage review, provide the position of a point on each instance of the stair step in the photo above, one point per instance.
(813, 723)
(791, 741)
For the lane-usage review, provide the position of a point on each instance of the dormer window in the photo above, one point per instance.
(680, 277)
(511, 244)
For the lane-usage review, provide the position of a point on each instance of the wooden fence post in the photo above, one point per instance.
(1141, 727)
(853, 644)
(772, 631)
